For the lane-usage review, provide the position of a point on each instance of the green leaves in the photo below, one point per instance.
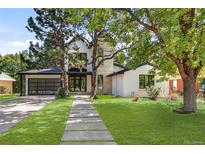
(168, 37)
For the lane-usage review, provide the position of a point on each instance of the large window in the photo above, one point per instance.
(100, 82)
(146, 81)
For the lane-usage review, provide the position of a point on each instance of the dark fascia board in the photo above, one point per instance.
(79, 73)
(145, 63)
(24, 73)
(126, 69)
(119, 72)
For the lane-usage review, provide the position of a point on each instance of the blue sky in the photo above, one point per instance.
(14, 37)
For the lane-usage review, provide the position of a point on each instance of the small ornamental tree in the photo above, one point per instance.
(176, 40)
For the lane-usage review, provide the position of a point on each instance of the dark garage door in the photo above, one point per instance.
(43, 86)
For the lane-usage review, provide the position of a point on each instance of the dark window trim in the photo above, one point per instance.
(75, 76)
(144, 84)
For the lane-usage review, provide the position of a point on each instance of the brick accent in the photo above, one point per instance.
(8, 85)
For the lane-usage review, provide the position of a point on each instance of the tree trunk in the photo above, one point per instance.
(65, 81)
(189, 97)
(93, 85)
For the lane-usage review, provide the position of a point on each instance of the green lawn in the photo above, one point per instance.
(150, 122)
(4, 97)
(45, 126)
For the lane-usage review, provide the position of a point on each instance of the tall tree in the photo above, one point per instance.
(179, 37)
(54, 31)
(104, 32)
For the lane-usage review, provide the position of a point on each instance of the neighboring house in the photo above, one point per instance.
(111, 78)
(6, 81)
(176, 84)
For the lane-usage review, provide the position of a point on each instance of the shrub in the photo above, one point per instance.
(2, 89)
(61, 93)
(152, 92)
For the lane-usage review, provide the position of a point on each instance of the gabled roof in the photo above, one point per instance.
(118, 72)
(127, 69)
(5, 77)
(43, 71)
(145, 63)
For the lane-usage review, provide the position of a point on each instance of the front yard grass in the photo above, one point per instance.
(45, 126)
(4, 97)
(150, 122)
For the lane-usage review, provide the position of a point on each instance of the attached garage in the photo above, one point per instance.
(40, 82)
(43, 86)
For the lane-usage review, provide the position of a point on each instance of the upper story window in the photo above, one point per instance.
(146, 81)
(82, 56)
(100, 54)
(78, 61)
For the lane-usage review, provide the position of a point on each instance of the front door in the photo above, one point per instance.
(77, 83)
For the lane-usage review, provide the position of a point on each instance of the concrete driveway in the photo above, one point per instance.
(13, 111)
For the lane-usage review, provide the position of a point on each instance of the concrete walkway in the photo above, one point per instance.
(13, 111)
(84, 126)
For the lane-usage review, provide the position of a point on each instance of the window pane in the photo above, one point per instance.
(141, 81)
(146, 81)
(151, 80)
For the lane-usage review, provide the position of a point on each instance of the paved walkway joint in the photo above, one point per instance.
(84, 126)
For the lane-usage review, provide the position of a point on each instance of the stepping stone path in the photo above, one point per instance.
(84, 126)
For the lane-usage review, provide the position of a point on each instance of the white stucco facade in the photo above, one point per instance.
(127, 84)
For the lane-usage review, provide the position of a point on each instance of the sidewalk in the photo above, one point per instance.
(84, 126)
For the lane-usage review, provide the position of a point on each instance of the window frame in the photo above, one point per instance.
(149, 79)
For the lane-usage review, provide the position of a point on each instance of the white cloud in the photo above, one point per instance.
(11, 47)
(22, 44)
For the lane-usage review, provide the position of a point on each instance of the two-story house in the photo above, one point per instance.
(111, 78)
